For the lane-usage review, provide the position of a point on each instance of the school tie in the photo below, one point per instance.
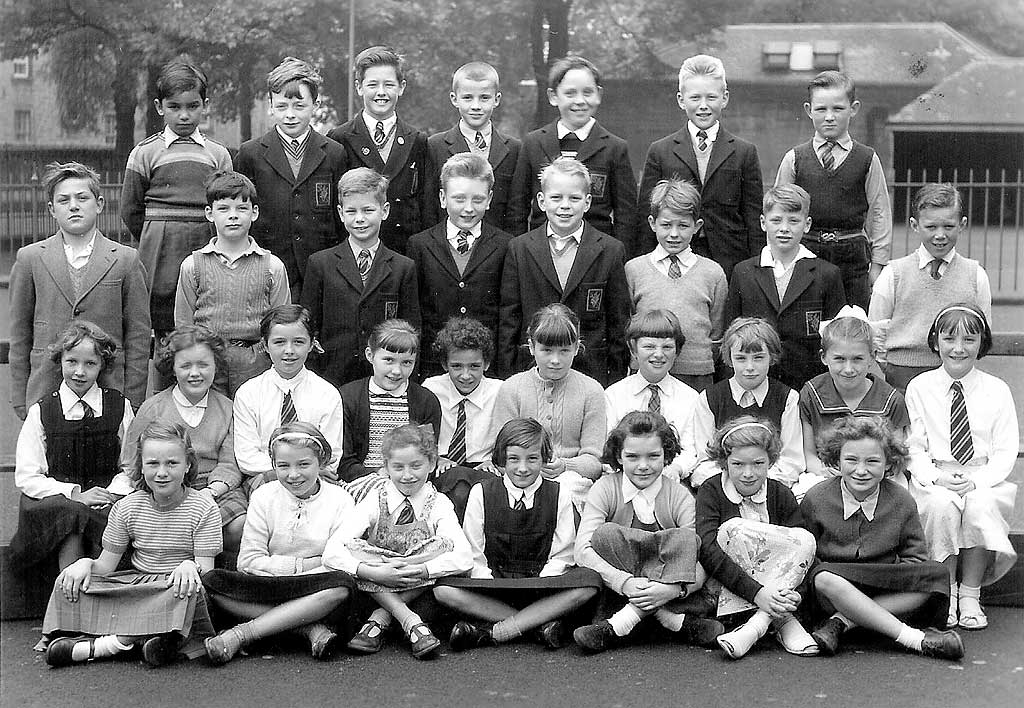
(379, 137)
(364, 264)
(702, 136)
(747, 399)
(479, 141)
(828, 160)
(405, 515)
(654, 404)
(457, 448)
(462, 240)
(288, 414)
(87, 410)
(569, 145)
(674, 271)
(934, 266)
(960, 427)
(520, 503)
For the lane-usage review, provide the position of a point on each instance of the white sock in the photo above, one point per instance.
(970, 600)
(792, 633)
(411, 621)
(739, 641)
(671, 621)
(625, 620)
(381, 617)
(910, 638)
(103, 647)
(849, 623)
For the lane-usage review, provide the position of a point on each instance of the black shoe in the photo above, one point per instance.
(552, 635)
(942, 644)
(596, 638)
(466, 636)
(160, 650)
(827, 636)
(58, 652)
(700, 632)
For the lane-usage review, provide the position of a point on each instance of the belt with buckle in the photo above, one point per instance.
(834, 236)
(243, 342)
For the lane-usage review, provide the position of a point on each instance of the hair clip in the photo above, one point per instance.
(752, 424)
(289, 435)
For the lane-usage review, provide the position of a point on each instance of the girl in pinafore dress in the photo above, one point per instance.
(399, 539)
(175, 534)
(281, 583)
(874, 570)
(748, 542)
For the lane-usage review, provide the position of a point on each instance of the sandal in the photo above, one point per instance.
(974, 621)
(953, 617)
(365, 642)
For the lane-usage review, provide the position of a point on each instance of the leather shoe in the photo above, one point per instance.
(466, 636)
(942, 644)
(363, 642)
(827, 636)
(423, 641)
(700, 631)
(160, 650)
(552, 635)
(596, 638)
(58, 653)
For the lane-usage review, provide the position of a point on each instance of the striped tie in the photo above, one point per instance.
(702, 135)
(288, 414)
(87, 410)
(654, 404)
(364, 264)
(405, 515)
(933, 268)
(520, 503)
(457, 448)
(462, 242)
(379, 136)
(674, 271)
(828, 160)
(960, 427)
(479, 141)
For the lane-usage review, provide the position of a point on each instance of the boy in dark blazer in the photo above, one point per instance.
(722, 166)
(296, 172)
(475, 94)
(570, 262)
(77, 273)
(377, 138)
(574, 87)
(459, 261)
(788, 286)
(359, 283)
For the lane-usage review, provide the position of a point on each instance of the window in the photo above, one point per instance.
(21, 68)
(22, 126)
(801, 56)
(775, 56)
(826, 55)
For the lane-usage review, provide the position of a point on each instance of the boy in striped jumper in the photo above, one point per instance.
(230, 283)
(162, 198)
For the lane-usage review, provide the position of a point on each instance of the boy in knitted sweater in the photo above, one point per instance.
(672, 277)
(230, 283)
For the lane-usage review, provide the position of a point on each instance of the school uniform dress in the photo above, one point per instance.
(456, 284)
(345, 309)
(281, 533)
(63, 447)
(163, 203)
(297, 192)
(593, 286)
(139, 602)
(746, 542)
(404, 160)
(728, 174)
(612, 188)
(380, 528)
(50, 286)
(211, 429)
(795, 301)
(502, 153)
(981, 517)
(230, 296)
(878, 545)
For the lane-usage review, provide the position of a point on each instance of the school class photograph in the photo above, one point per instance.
(539, 352)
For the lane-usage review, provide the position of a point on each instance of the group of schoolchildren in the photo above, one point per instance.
(710, 434)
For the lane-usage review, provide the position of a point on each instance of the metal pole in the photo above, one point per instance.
(351, 57)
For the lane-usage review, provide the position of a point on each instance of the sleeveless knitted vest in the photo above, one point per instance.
(838, 198)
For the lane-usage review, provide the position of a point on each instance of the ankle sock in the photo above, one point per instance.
(741, 639)
(910, 638)
(506, 630)
(671, 621)
(409, 622)
(846, 622)
(313, 631)
(970, 600)
(103, 647)
(625, 620)
(792, 634)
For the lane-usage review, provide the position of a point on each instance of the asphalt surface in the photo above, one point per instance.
(866, 673)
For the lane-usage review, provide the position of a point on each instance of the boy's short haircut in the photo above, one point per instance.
(569, 166)
(396, 336)
(286, 314)
(379, 56)
(464, 333)
(938, 195)
(57, 172)
(475, 71)
(469, 165)
(78, 331)
(659, 324)
(566, 64)
(702, 65)
(286, 77)
(677, 196)
(752, 334)
(525, 433)
(787, 197)
(178, 76)
(363, 180)
(227, 184)
(832, 79)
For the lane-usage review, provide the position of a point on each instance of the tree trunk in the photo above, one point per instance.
(547, 44)
(125, 85)
(246, 96)
(154, 121)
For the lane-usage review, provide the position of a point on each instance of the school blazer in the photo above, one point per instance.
(613, 187)
(355, 401)
(502, 156)
(406, 170)
(344, 310)
(730, 196)
(444, 293)
(298, 215)
(595, 290)
(815, 293)
(114, 297)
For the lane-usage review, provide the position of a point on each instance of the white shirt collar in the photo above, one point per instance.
(69, 399)
(712, 131)
(470, 133)
(576, 235)
(371, 123)
(378, 391)
(760, 392)
(181, 400)
(946, 381)
(924, 258)
(358, 247)
(452, 232)
(170, 136)
(844, 141)
(733, 495)
(251, 248)
(581, 133)
(768, 259)
(642, 499)
(686, 257)
(286, 385)
(395, 498)
(851, 505)
(515, 493)
(302, 138)
(82, 255)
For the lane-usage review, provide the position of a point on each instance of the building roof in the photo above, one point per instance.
(989, 93)
(878, 53)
